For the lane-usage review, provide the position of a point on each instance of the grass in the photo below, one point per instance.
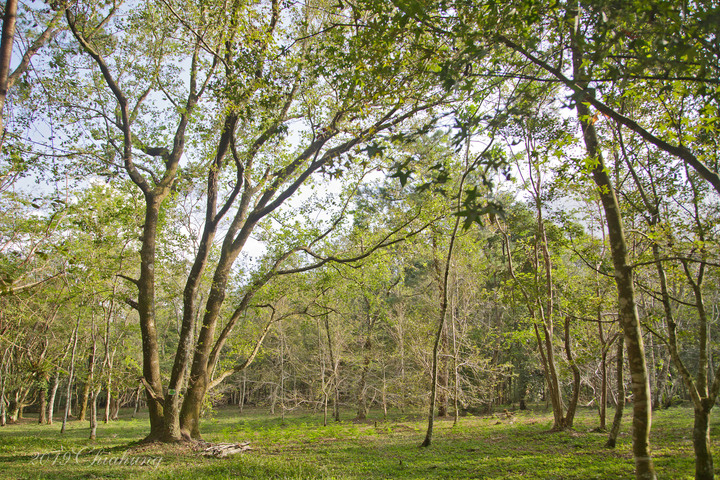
(301, 448)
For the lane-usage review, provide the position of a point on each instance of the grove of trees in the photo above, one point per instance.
(448, 206)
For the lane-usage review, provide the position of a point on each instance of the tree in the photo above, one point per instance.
(297, 61)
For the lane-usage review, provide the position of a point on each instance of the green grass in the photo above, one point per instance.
(301, 448)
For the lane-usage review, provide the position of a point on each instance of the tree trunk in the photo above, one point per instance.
(13, 410)
(443, 377)
(173, 430)
(701, 443)
(146, 312)
(605, 345)
(241, 404)
(336, 399)
(114, 408)
(335, 361)
(456, 373)
(3, 411)
(93, 390)
(550, 372)
(42, 414)
(362, 407)
(642, 410)
(53, 395)
(71, 378)
(137, 401)
(572, 407)
(107, 414)
(6, 48)
(444, 304)
(620, 405)
(83, 401)
(93, 414)
(192, 407)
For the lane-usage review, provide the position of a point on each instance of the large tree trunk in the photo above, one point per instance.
(701, 443)
(146, 312)
(192, 407)
(642, 410)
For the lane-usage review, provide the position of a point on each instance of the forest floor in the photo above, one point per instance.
(479, 447)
